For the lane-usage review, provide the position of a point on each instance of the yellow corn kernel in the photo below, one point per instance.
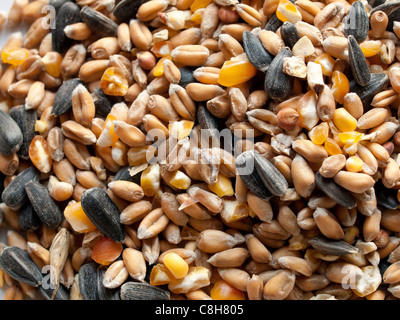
(236, 71)
(308, 111)
(199, 4)
(350, 137)
(14, 56)
(180, 129)
(77, 218)
(176, 265)
(234, 211)
(162, 49)
(150, 180)
(197, 16)
(319, 133)
(222, 290)
(223, 187)
(197, 277)
(159, 68)
(340, 86)
(326, 62)
(108, 137)
(52, 63)
(332, 147)
(287, 11)
(160, 275)
(370, 48)
(354, 164)
(40, 126)
(343, 120)
(114, 83)
(180, 180)
(138, 155)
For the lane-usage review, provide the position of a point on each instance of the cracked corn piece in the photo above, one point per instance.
(343, 120)
(223, 186)
(287, 11)
(150, 180)
(236, 71)
(197, 277)
(114, 83)
(222, 290)
(77, 218)
(176, 265)
(14, 56)
(160, 275)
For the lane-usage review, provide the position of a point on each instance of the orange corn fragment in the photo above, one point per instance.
(222, 290)
(114, 83)
(77, 218)
(235, 72)
(106, 251)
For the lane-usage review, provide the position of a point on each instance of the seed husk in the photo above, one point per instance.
(332, 247)
(357, 22)
(334, 191)
(25, 119)
(289, 34)
(11, 137)
(377, 82)
(256, 53)
(88, 280)
(68, 14)
(103, 292)
(63, 102)
(126, 10)
(277, 84)
(61, 294)
(358, 63)
(98, 22)
(103, 212)
(142, 291)
(14, 195)
(28, 218)
(17, 263)
(44, 205)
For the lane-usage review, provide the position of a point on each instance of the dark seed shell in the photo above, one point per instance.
(15, 196)
(61, 294)
(358, 63)
(28, 218)
(278, 85)
(98, 22)
(103, 212)
(10, 135)
(386, 198)
(270, 175)
(26, 120)
(332, 247)
(68, 14)
(186, 76)
(356, 22)
(387, 7)
(44, 205)
(255, 51)
(375, 3)
(102, 103)
(207, 121)
(127, 9)
(57, 4)
(289, 34)
(245, 165)
(142, 291)
(88, 280)
(378, 82)
(273, 23)
(63, 99)
(103, 292)
(17, 263)
(392, 17)
(334, 191)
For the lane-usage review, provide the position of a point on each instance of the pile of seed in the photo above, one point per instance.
(115, 182)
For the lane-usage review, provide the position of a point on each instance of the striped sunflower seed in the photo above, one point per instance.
(63, 99)
(103, 212)
(207, 121)
(88, 281)
(68, 14)
(28, 218)
(358, 63)
(103, 292)
(273, 23)
(11, 137)
(256, 53)
(142, 291)
(17, 263)
(98, 22)
(15, 196)
(44, 205)
(289, 34)
(126, 10)
(61, 294)
(332, 247)
(278, 85)
(26, 120)
(356, 22)
(334, 191)
(250, 177)
(386, 198)
(378, 82)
